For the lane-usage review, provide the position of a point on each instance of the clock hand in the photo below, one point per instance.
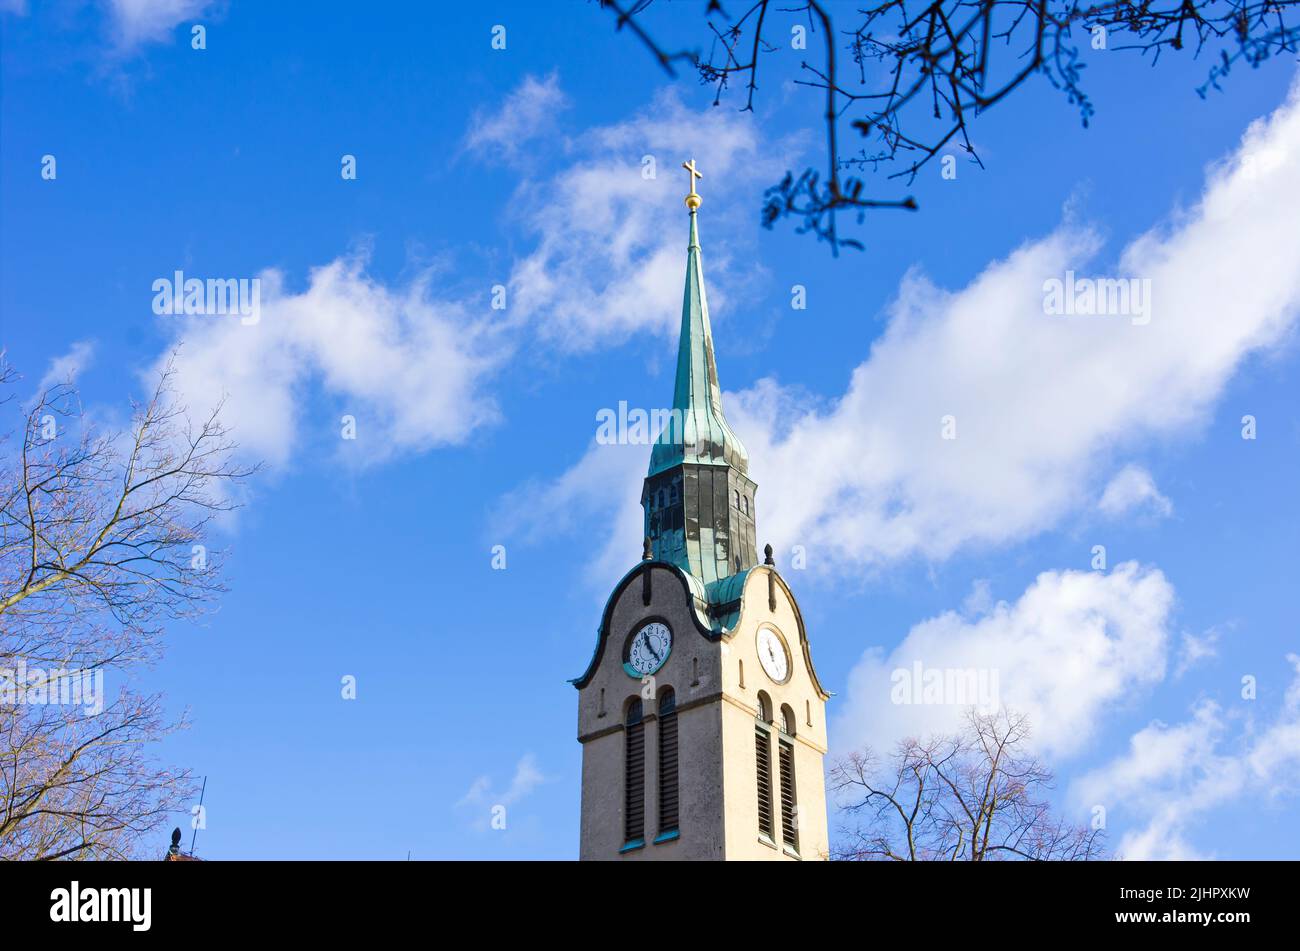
(650, 648)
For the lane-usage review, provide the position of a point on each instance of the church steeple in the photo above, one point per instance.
(697, 430)
(701, 719)
(698, 498)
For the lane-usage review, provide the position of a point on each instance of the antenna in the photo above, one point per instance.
(202, 793)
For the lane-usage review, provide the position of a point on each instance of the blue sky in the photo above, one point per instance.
(522, 167)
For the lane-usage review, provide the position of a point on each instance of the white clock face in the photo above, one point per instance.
(772, 655)
(648, 649)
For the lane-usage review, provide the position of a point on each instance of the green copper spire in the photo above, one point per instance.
(697, 431)
(698, 497)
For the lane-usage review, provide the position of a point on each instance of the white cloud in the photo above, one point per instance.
(1172, 775)
(67, 367)
(409, 367)
(1196, 648)
(610, 263)
(611, 242)
(482, 797)
(1132, 489)
(1040, 402)
(585, 495)
(1073, 645)
(528, 112)
(135, 22)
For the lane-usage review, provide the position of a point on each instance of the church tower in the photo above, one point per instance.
(702, 721)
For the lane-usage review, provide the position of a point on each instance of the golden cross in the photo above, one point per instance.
(693, 199)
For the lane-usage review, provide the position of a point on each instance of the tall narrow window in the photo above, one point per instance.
(787, 720)
(667, 762)
(634, 774)
(789, 831)
(763, 757)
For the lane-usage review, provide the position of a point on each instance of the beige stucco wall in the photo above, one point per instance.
(715, 729)
(743, 677)
(693, 672)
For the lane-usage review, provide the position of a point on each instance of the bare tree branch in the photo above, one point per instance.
(974, 797)
(920, 71)
(102, 542)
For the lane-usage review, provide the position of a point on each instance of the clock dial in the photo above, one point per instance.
(773, 655)
(648, 649)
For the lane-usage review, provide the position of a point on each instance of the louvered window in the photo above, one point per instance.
(789, 832)
(763, 757)
(634, 792)
(667, 762)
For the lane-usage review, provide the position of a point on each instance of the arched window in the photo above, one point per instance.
(789, 829)
(667, 762)
(737, 498)
(787, 720)
(746, 501)
(634, 774)
(763, 766)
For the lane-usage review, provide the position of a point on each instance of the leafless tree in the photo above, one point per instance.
(977, 796)
(101, 544)
(908, 75)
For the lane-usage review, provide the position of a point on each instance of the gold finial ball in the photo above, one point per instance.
(693, 199)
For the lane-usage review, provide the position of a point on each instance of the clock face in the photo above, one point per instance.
(648, 649)
(773, 655)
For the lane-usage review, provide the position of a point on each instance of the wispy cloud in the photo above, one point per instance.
(67, 367)
(1195, 648)
(1131, 490)
(531, 110)
(1171, 776)
(134, 23)
(611, 231)
(1037, 405)
(602, 489)
(414, 364)
(482, 796)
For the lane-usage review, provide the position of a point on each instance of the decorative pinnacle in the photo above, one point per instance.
(767, 555)
(647, 551)
(693, 199)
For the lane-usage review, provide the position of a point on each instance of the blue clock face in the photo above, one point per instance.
(648, 649)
